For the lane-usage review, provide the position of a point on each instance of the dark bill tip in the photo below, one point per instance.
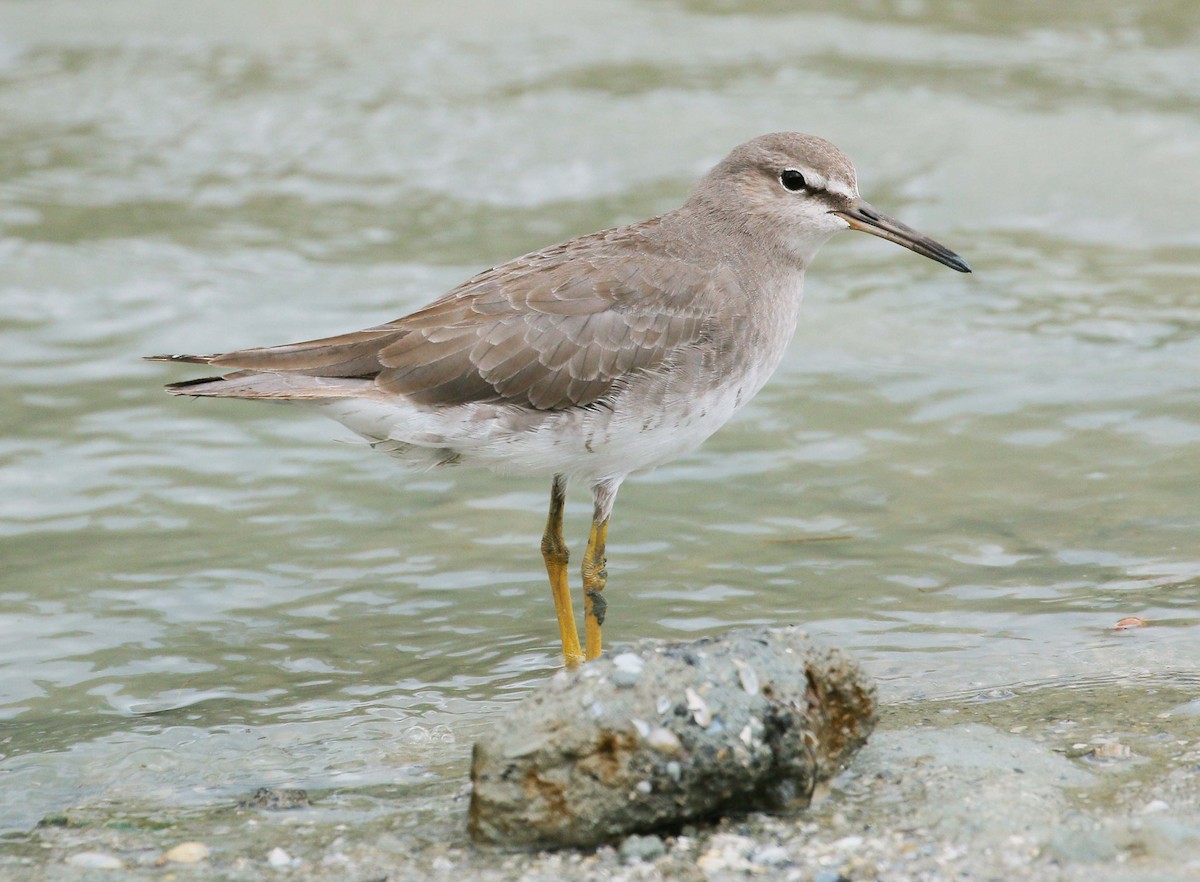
(861, 216)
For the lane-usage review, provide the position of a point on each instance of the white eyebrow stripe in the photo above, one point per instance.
(839, 188)
(812, 180)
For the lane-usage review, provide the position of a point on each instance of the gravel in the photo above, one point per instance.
(945, 790)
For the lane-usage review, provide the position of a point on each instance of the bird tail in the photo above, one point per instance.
(332, 367)
(269, 385)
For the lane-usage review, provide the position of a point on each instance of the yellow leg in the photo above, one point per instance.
(554, 552)
(594, 578)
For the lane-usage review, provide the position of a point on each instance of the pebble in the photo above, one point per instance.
(625, 679)
(629, 663)
(95, 860)
(1129, 623)
(637, 849)
(829, 876)
(1111, 750)
(726, 852)
(771, 856)
(278, 857)
(275, 799)
(186, 853)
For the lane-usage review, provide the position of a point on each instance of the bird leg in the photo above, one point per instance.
(594, 578)
(595, 575)
(554, 552)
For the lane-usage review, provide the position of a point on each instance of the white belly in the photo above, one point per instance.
(658, 417)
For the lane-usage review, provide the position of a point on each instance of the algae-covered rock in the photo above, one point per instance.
(659, 734)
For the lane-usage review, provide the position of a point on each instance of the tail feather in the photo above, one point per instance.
(272, 385)
(333, 367)
(346, 355)
(182, 359)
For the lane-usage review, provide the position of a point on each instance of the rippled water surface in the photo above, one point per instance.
(965, 480)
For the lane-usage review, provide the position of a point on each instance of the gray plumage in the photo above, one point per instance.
(593, 359)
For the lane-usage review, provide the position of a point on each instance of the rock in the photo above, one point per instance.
(185, 853)
(95, 860)
(278, 857)
(752, 720)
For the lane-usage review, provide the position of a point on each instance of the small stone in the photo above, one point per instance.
(186, 853)
(626, 679)
(275, 799)
(278, 857)
(627, 661)
(1129, 623)
(1154, 806)
(829, 876)
(95, 860)
(1111, 750)
(771, 856)
(727, 852)
(636, 849)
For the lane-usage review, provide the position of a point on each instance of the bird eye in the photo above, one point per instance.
(791, 179)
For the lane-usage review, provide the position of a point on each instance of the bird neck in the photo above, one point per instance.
(757, 240)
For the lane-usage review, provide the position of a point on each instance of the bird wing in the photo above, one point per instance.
(554, 329)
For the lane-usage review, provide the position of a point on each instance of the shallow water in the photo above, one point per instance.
(965, 480)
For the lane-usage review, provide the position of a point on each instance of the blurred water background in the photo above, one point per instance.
(965, 480)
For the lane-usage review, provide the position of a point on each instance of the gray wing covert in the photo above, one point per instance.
(550, 338)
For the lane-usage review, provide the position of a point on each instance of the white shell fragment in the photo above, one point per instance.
(664, 741)
(699, 708)
(747, 676)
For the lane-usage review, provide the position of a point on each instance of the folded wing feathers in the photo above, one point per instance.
(540, 331)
